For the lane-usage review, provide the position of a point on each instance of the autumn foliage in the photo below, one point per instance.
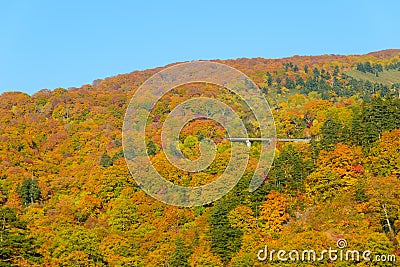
(67, 197)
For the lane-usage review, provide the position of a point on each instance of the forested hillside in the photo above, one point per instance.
(67, 197)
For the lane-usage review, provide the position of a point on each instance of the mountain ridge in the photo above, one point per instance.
(311, 59)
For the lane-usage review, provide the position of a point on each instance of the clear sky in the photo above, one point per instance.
(50, 44)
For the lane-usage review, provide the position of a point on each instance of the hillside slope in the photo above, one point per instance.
(67, 195)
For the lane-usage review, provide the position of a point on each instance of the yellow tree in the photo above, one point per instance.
(242, 217)
(273, 213)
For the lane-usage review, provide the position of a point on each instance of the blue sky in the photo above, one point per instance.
(50, 44)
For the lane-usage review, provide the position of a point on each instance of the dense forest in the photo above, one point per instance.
(68, 199)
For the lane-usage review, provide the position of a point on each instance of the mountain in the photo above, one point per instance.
(68, 199)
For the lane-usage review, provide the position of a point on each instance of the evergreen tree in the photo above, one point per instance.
(316, 73)
(299, 81)
(151, 148)
(336, 71)
(289, 84)
(360, 67)
(370, 135)
(225, 240)
(330, 134)
(263, 89)
(396, 90)
(278, 81)
(269, 79)
(381, 114)
(384, 113)
(14, 241)
(30, 191)
(118, 155)
(289, 170)
(368, 67)
(180, 256)
(310, 86)
(105, 160)
(286, 66)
